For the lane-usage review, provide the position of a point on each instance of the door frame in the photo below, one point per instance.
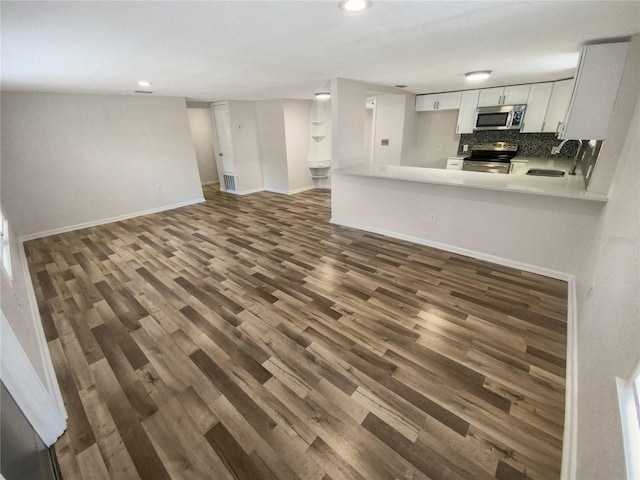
(26, 388)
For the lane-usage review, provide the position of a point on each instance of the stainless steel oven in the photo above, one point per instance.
(492, 157)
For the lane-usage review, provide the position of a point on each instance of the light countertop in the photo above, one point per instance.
(569, 186)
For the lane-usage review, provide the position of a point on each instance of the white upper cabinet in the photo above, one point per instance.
(513, 95)
(536, 110)
(558, 105)
(438, 101)
(490, 97)
(596, 88)
(516, 95)
(426, 103)
(449, 100)
(467, 113)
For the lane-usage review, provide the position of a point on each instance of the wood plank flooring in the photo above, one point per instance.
(248, 338)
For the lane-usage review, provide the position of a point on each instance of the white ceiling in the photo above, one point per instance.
(216, 50)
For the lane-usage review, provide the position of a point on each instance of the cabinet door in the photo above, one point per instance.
(558, 105)
(516, 95)
(449, 100)
(454, 163)
(536, 107)
(490, 97)
(467, 113)
(597, 83)
(426, 103)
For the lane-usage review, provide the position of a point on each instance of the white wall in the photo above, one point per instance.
(349, 122)
(348, 99)
(297, 137)
(244, 134)
(74, 159)
(271, 137)
(609, 317)
(201, 125)
(389, 125)
(435, 139)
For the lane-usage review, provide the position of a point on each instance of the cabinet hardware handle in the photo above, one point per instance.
(543, 124)
(220, 154)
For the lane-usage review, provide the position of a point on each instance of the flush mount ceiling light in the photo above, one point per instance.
(323, 95)
(479, 75)
(144, 83)
(354, 5)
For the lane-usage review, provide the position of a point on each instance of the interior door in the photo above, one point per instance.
(225, 143)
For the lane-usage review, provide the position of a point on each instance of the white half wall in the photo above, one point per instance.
(201, 125)
(77, 159)
(549, 233)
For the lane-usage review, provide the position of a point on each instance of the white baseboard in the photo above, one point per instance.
(102, 221)
(212, 182)
(289, 192)
(570, 435)
(247, 192)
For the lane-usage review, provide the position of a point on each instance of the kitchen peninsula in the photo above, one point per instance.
(567, 186)
(538, 224)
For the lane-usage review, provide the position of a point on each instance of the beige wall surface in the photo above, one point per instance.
(435, 139)
(271, 138)
(297, 134)
(75, 159)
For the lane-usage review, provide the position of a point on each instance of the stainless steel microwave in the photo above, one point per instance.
(500, 117)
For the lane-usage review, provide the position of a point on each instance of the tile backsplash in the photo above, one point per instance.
(529, 144)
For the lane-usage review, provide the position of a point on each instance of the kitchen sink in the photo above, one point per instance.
(543, 172)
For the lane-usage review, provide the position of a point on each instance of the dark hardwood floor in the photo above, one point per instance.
(249, 338)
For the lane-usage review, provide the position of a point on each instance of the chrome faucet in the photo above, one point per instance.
(575, 159)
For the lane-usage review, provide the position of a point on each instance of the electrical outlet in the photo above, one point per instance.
(432, 218)
(465, 148)
(554, 150)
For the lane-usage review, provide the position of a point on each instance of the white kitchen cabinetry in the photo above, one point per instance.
(537, 105)
(558, 106)
(467, 113)
(454, 163)
(438, 101)
(512, 95)
(597, 82)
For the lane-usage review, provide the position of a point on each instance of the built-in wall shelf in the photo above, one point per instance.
(319, 160)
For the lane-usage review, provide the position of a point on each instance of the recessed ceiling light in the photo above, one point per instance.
(323, 95)
(144, 83)
(354, 5)
(479, 75)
